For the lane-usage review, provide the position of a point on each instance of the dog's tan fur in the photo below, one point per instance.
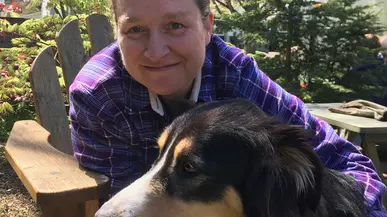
(162, 139)
(163, 205)
(182, 146)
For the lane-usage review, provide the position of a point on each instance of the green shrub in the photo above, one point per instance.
(29, 39)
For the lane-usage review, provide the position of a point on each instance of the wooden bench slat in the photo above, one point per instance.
(48, 100)
(71, 51)
(100, 31)
(50, 176)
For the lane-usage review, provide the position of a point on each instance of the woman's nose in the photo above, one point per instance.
(156, 47)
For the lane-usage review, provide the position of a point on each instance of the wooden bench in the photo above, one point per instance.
(369, 129)
(40, 152)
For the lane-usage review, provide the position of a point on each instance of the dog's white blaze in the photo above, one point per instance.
(117, 205)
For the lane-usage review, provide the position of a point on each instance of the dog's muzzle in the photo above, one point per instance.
(140, 199)
(147, 197)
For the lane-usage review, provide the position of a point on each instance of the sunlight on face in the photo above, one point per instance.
(163, 43)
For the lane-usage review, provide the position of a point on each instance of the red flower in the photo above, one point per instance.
(21, 57)
(303, 85)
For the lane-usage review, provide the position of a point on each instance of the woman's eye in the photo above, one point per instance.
(176, 26)
(135, 29)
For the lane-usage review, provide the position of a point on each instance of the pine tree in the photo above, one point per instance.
(319, 45)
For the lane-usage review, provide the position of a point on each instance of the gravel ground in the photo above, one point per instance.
(15, 201)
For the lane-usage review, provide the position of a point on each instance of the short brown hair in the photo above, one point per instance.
(203, 5)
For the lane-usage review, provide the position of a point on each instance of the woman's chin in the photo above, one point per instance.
(163, 91)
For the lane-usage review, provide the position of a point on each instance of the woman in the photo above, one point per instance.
(166, 50)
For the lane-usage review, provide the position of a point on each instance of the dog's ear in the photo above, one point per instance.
(286, 175)
(299, 167)
(177, 107)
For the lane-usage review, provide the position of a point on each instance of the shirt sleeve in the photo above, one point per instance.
(336, 152)
(98, 141)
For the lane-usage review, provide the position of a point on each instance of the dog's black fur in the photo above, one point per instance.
(271, 165)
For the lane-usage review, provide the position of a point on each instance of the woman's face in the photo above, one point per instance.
(163, 43)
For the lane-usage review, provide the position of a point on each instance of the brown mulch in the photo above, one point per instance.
(15, 201)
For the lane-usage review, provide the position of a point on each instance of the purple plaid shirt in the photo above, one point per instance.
(114, 127)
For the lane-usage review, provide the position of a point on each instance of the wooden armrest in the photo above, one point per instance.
(50, 176)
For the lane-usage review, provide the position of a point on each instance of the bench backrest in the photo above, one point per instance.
(48, 98)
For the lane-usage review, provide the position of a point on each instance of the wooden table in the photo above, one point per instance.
(369, 129)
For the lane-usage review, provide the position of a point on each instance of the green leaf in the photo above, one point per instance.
(19, 90)
(4, 97)
(14, 80)
(6, 108)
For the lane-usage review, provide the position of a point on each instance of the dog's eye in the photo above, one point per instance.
(189, 168)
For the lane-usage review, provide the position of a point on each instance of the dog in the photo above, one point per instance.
(229, 159)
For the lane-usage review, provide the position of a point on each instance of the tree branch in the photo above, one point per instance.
(227, 5)
(33, 40)
(72, 9)
(64, 14)
(241, 4)
(58, 12)
(217, 7)
(221, 3)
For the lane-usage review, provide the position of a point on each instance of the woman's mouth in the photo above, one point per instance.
(161, 67)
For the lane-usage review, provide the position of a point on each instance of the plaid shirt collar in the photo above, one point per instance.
(156, 102)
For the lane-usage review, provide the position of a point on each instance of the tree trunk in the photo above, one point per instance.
(288, 63)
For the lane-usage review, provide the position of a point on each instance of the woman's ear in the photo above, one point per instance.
(208, 25)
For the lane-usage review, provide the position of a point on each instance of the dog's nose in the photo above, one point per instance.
(132, 201)
(106, 213)
(113, 211)
(128, 203)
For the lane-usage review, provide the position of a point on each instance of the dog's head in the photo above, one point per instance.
(225, 159)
